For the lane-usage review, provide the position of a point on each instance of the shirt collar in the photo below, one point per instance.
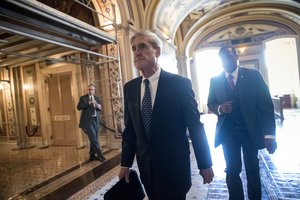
(234, 73)
(154, 76)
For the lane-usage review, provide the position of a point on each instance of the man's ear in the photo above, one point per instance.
(157, 51)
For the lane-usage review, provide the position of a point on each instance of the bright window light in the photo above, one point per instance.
(208, 64)
(282, 65)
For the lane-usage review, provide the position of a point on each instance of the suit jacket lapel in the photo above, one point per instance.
(87, 99)
(242, 85)
(135, 100)
(221, 91)
(159, 99)
(135, 96)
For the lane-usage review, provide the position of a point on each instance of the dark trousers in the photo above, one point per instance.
(154, 193)
(234, 142)
(165, 198)
(92, 133)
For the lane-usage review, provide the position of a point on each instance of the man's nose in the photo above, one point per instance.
(137, 52)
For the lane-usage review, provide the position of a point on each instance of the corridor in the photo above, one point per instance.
(64, 173)
(50, 50)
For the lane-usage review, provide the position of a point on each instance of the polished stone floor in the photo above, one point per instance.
(31, 173)
(47, 173)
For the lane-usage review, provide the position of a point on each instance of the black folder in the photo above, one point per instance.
(126, 191)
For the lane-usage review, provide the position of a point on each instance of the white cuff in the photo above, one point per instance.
(270, 137)
(219, 110)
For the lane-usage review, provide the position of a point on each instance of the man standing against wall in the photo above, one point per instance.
(241, 100)
(90, 106)
(159, 108)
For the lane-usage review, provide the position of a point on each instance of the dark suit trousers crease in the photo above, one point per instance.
(92, 133)
(233, 143)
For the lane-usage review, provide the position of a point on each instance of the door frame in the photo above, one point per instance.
(46, 127)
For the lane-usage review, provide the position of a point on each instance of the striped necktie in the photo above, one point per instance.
(231, 81)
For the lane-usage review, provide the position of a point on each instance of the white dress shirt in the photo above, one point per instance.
(234, 75)
(153, 86)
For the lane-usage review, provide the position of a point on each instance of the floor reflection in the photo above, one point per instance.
(210, 121)
(286, 158)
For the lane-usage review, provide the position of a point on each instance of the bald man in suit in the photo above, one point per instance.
(90, 106)
(161, 146)
(241, 100)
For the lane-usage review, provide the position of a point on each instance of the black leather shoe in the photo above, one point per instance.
(93, 158)
(101, 158)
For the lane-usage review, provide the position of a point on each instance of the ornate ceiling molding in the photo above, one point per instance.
(284, 13)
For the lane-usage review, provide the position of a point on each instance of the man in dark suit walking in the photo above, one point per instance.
(90, 105)
(159, 108)
(241, 100)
